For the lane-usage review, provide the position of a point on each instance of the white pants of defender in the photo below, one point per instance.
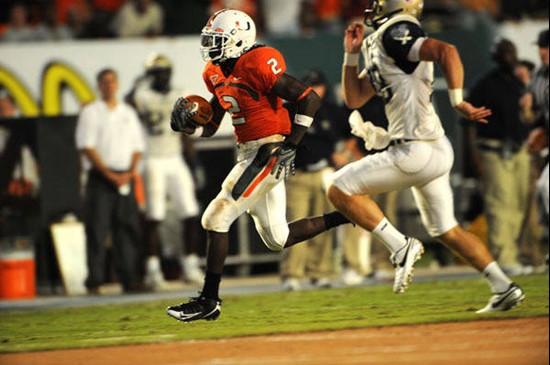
(266, 202)
(169, 177)
(423, 166)
(543, 188)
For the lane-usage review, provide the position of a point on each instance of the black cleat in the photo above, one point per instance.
(195, 309)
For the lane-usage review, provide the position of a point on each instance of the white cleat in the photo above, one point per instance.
(404, 267)
(504, 301)
(291, 284)
(155, 281)
(350, 277)
(192, 272)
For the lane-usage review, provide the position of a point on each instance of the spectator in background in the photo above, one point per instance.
(329, 15)
(139, 18)
(306, 191)
(249, 7)
(538, 139)
(77, 15)
(524, 71)
(531, 231)
(498, 155)
(492, 7)
(19, 29)
(166, 174)
(7, 106)
(282, 17)
(109, 135)
(51, 29)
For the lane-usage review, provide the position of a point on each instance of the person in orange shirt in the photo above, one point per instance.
(249, 81)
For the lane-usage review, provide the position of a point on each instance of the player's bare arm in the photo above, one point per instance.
(307, 102)
(357, 88)
(448, 58)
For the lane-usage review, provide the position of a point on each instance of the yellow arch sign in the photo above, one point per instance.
(56, 76)
(28, 106)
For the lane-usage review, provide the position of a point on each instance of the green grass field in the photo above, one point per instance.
(246, 315)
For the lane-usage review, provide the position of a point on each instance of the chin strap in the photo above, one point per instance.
(377, 23)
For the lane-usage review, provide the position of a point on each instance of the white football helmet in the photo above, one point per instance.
(157, 61)
(379, 11)
(228, 34)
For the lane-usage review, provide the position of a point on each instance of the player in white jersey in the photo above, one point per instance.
(165, 172)
(399, 61)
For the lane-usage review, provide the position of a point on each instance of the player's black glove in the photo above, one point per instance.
(181, 121)
(285, 154)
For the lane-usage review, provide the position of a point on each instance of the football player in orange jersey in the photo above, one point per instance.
(249, 81)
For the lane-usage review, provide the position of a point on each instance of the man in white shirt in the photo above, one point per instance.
(110, 137)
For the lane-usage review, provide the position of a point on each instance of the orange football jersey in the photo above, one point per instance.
(246, 94)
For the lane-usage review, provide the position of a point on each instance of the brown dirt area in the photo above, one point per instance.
(499, 342)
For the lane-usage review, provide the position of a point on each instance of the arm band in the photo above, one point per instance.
(303, 120)
(456, 96)
(351, 59)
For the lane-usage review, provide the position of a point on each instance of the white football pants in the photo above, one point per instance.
(264, 199)
(423, 166)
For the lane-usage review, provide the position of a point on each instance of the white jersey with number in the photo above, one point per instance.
(155, 109)
(405, 86)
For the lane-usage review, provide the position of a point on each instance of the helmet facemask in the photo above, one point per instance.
(372, 11)
(214, 46)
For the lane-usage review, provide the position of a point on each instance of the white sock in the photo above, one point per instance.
(390, 236)
(497, 279)
(153, 264)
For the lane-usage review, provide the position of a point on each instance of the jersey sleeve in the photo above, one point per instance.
(399, 39)
(266, 66)
(141, 98)
(207, 77)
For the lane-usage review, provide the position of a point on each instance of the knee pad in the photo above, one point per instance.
(219, 215)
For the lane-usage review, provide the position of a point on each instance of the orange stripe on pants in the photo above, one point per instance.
(260, 178)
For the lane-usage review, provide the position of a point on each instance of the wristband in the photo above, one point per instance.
(303, 120)
(456, 96)
(351, 59)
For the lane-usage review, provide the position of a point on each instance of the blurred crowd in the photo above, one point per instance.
(39, 20)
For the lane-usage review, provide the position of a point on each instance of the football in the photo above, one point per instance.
(202, 108)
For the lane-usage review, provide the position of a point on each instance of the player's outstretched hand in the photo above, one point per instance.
(472, 113)
(285, 154)
(354, 37)
(180, 120)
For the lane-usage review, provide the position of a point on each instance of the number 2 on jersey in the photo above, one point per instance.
(235, 109)
(274, 66)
